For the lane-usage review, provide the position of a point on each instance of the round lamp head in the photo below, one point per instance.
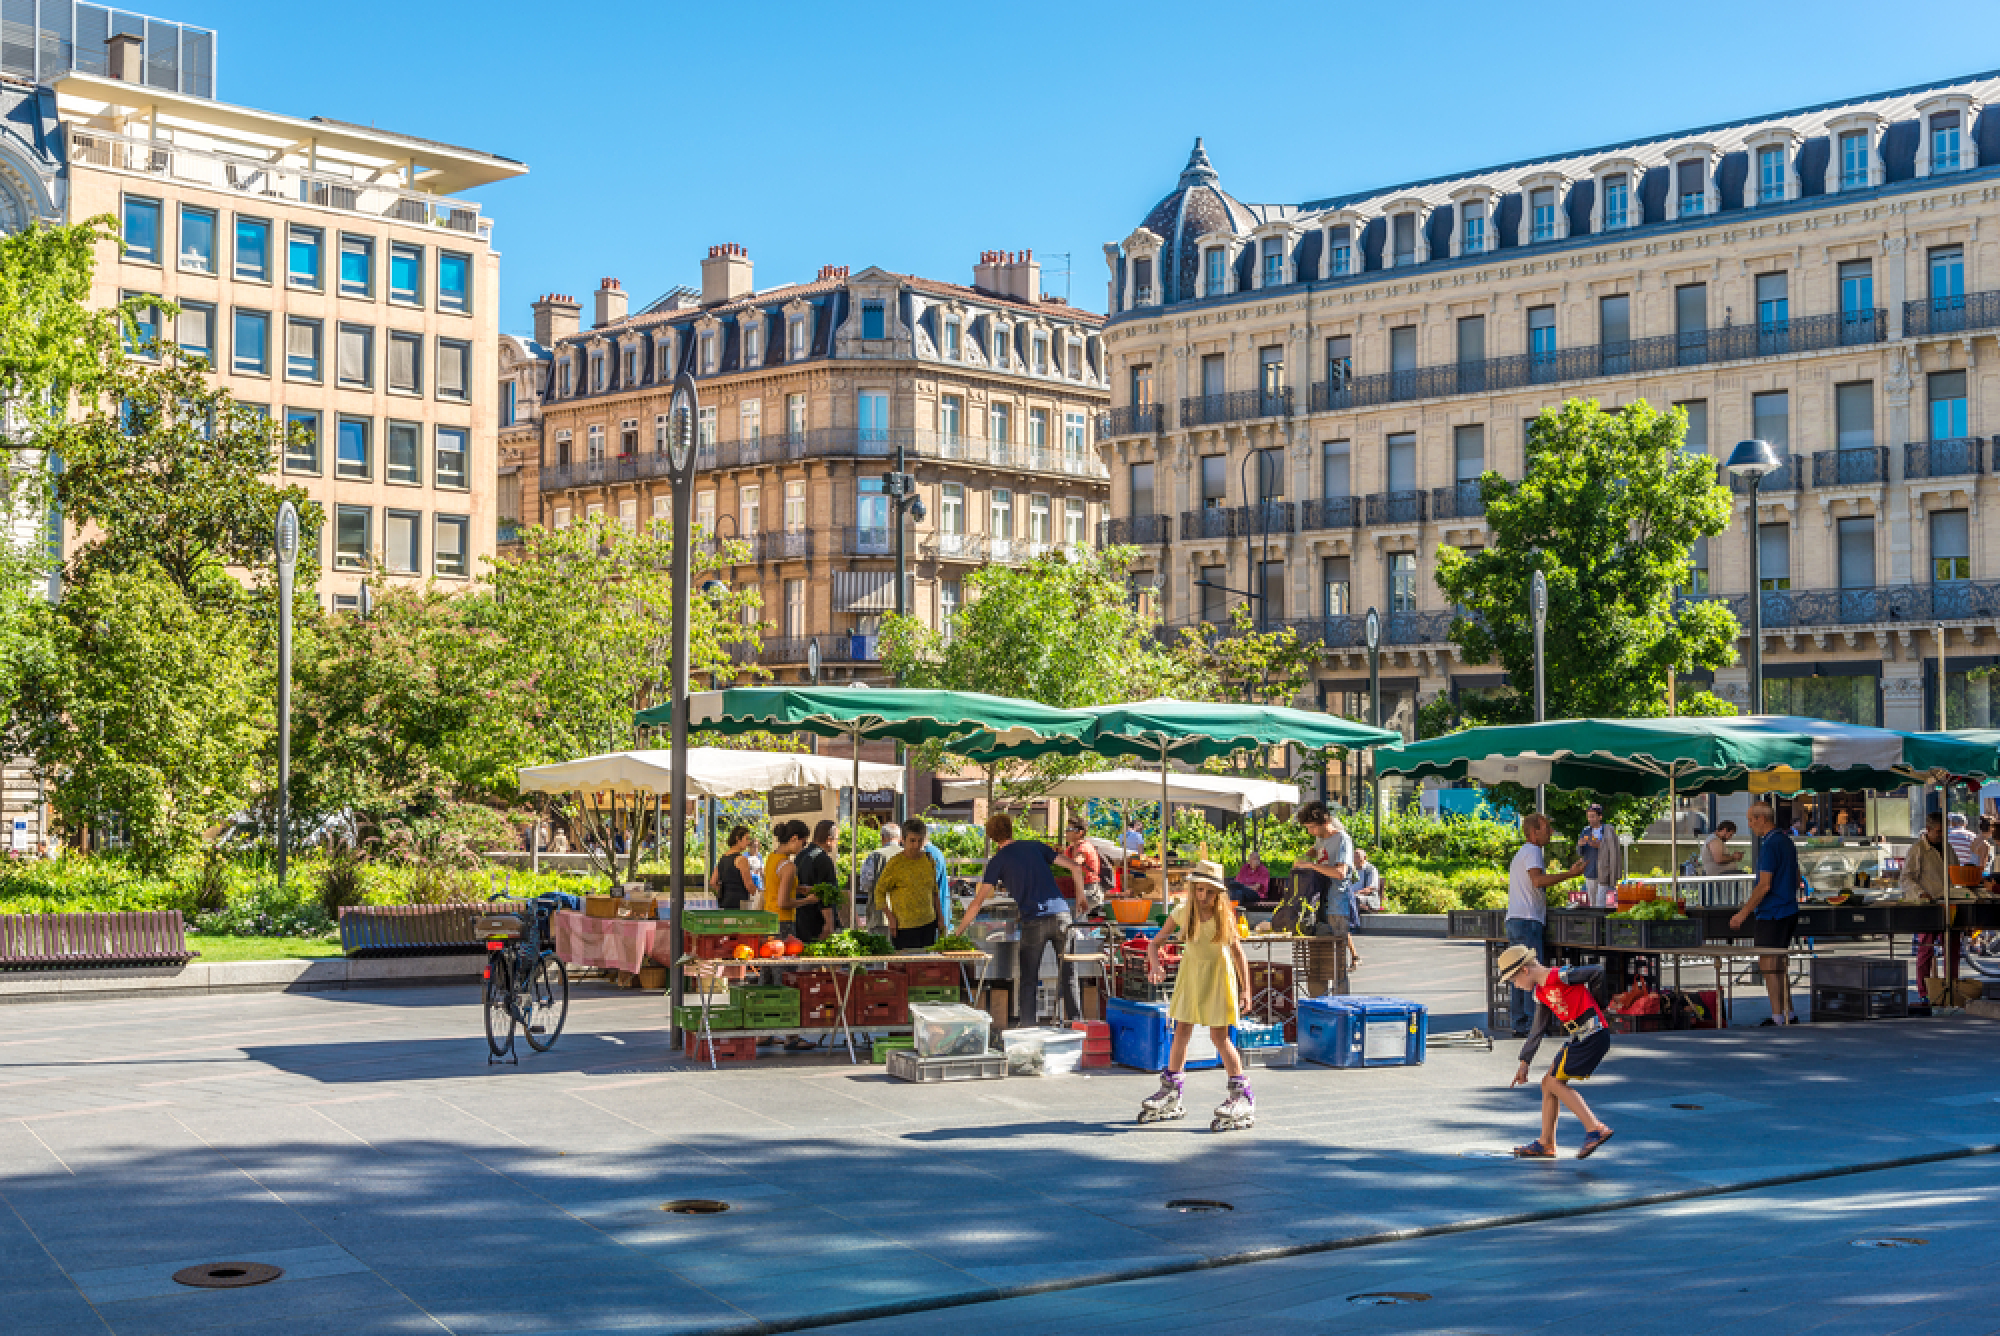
(1753, 459)
(1372, 629)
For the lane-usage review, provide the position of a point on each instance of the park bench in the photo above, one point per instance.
(147, 937)
(368, 931)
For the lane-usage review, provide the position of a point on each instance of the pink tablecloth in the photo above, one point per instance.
(613, 944)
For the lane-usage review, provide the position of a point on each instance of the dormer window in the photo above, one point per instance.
(1214, 271)
(874, 320)
(568, 378)
(707, 354)
(1945, 143)
(597, 373)
(1617, 201)
(1041, 346)
(1073, 356)
(1142, 280)
(1691, 187)
(1003, 352)
(1855, 150)
(1403, 230)
(663, 355)
(1273, 263)
(1340, 251)
(1542, 214)
(632, 365)
(1771, 175)
(1472, 224)
(796, 336)
(753, 341)
(952, 331)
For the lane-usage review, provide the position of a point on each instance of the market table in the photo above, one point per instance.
(1717, 955)
(845, 985)
(611, 943)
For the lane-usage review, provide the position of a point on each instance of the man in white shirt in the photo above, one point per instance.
(1135, 839)
(1528, 880)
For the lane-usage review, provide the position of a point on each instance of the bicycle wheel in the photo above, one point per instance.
(499, 1006)
(546, 1006)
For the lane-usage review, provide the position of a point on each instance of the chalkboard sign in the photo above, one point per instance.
(795, 799)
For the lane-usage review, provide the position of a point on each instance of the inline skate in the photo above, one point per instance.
(1239, 1110)
(1165, 1103)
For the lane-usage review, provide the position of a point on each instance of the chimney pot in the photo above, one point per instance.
(555, 319)
(126, 57)
(611, 303)
(725, 274)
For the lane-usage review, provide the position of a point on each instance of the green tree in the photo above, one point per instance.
(1243, 663)
(1609, 509)
(52, 340)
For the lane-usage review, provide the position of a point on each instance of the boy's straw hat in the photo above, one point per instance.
(1512, 959)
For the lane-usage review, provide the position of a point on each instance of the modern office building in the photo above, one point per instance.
(1817, 277)
(811, 393)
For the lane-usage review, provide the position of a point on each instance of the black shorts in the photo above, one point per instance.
(1579, 1057)
(923, 935)
(1775, 934)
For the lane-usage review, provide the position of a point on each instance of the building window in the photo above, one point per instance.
(351, 448)
(1000, 424)
(1854, 160)
(1003, 347)
(354, 356)
(797, 328)
(1773, 302)
(302, 260)
(663, 510)
(707, 354)
(1771, 419)
(1947, 278)
(951, 338)
(453, 445)
(400, 541)
(451, 545)
(1073, 522)
(1949, 421)
(1214, 599)
(1691, 185)
(663, 357)
(1951, 546)
(750, 509)
(750, 420)
(1073, 360)
(1403, 348)
(795, 505)
(406, 274)
(874, 320)
(1691, 323)
(753, 343)
(795, 609)
(1542, 214)
(1696, 440)
(1038, 518)
(568, 376)
(1770, 175)
(950, 598)
(1000, 513)
(1038, 430)
(795, 416)
(1339, 361)
(197, 240)
(250, 345)
(1215, 280)
(1468, 445)
(1271, 376)
(659, 433)
(145, 327)
(454, 369)
(454, 282)
(593, 450)
(1403, 235)
(1617, 211)
(1857, 295)
(1542, 333)
(632, 366)
(1141, 491)
(1336, 596)
(1402, 462)
(351, 540)
(1341, 244)
(1214, 481)
(1944, 142)
(1471, 332)
(1856, 542)
(301, 440)
(1472, 228)
(194, 330)
(1402, 582)
(951, 508)
(1614, 333)
(704, 512)
(1854, 416)
(357, 266)
(1142, 280)
(1041, 348)
(628, 514)
(1076, 436)
(253, 250)
(1336, 469)
(563, 454)
(406, 370)
(1274, 262)
(142, 230)
(403, 452)
(705, 427)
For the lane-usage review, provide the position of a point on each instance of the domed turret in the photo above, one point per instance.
(1198, 206)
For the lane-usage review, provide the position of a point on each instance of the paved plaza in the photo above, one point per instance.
(359, 1141)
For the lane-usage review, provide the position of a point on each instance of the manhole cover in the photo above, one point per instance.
(227, 1275)
(1890, 1243)
(1387, 1298)
(1198, 1206)
(695, 1206)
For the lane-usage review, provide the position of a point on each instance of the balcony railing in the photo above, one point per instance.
(1396, 508)
(1349, 630)
(1266, 517)
(1208, 522)
(597, 472)
(1850, 468)
(1005, 551)
(1787, 477)
(1460, 501)
(1132, 420)
(1951, 315)
(1330, 512)
(792, 545)
(958, 546)
(1138, 529)
(1946, 600)
(1208, 410)
(868, 542)
(263, 180)
(1958, 458)
(1731, 343)
(882, 443)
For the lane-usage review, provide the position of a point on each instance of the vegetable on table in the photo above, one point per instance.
(848, 942)
(954, 941)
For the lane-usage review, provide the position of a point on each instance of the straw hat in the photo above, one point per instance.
(1511, 961)
(1207, 874)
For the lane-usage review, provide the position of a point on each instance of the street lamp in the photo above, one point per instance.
(287, 542)
(681, 417)
(1752, 460)
(1371, 628)
(901, 489)
(1538, 599)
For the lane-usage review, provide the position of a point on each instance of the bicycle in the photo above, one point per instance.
(526, 985)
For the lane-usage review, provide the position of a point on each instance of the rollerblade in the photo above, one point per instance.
(1164, 1103)
(1239, 1110)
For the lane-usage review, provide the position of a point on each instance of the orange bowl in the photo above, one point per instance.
(1131, 909)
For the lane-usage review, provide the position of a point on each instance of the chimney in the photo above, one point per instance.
(829, 273)
(986, 274)
(1024, 277)
(611, 300)
(555, 318)
(127, 51)
(725, 274)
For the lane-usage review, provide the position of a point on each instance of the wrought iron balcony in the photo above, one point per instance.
(868, 542)
(1787, 477)
(1132, 420)
(1266, 517)
(958, 546)
(1208, 522)
(1731, 343)
(1850, 468)
(1396, 508)
(791, 545)
(1920, 604)
(884, 443)
(1208, 410)
(1958, 458)
(1330, 512)
(1006, 550)
(1140, 529)
(1349, 630)
(1460, 501)
(1951, 315)
(598, 472)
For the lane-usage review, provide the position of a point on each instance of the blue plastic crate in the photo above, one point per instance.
(1141, 1035)
(1362, 1031)
(1259, 1036)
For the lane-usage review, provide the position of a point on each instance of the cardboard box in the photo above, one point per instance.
(601, 906)
(639, 905)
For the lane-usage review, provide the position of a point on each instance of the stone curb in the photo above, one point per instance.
(199, 979)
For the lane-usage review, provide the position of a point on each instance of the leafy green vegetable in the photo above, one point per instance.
(956, 941)
(850, 943)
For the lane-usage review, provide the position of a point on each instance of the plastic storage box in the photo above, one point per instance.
(1362, 1031)
(1042, 1051)
(905, 1065)
(1141, 1034)
(1867, 973)
(955, 1030)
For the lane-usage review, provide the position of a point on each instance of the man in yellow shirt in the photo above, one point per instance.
(907, 890)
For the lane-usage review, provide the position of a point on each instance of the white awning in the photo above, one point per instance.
(712, 772)
(1240, 796)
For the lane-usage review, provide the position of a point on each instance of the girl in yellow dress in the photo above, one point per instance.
(1212, 989)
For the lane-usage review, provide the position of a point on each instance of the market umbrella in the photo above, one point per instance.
(1230, 793)
(865, 714)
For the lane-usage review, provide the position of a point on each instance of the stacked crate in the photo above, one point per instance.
(879, 997)
(1096, 1042)
(819, 997)
(768, 1008)
(1273, 997)
(724, 1050)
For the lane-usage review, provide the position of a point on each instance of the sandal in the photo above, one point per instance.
(1593, 1141)
(1534, 1150)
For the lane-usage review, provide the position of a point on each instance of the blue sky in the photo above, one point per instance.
(914, 136)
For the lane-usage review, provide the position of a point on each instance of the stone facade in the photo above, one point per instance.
(810, 393)
(1818, 278)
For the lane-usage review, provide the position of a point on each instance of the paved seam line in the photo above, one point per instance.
(996, 1294)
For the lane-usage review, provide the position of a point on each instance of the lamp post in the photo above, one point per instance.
(1372, 632)
(287, 543)
(1538, 601)
(1753, 459)
(905, 504)
(682, 415)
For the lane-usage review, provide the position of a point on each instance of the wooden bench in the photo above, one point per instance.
(145, 937)
(368, 931)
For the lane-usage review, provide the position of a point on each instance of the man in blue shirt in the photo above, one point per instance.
(1774, 903)
(1021, 869)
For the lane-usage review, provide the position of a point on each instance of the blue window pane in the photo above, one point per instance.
(142, 230)
(454, 281)
(302, 440)
(252, 342)
(406, 277)
(872, 320)
(304, 265)
(354, 266)
(253, 249)
(351, 448)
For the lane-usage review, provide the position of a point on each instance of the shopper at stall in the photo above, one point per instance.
(1926, 873)
(1717, 858)
(1528, 881)
(1329, 862)
(907, 890)
(1603, 858)
(867, 909)
(1021, 869)
(1774, 903)
(1134, 839)
(1080, 851)
(814, 866)
(1367, 891)
(1561, 997)
(787, 838)
(734, 881)
(1251, 885)
(1211, 988)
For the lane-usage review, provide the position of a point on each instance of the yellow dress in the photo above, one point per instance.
(1205, 990)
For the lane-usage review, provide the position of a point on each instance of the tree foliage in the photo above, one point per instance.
(1242, 663)
(52, 340)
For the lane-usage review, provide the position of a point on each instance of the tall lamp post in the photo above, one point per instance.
(1753, 460)
(1372, 630)
(287, 543)
(682, 415)
(1538, 602)
(901, 489)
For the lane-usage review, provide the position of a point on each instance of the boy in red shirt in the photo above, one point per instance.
(1562, 996)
